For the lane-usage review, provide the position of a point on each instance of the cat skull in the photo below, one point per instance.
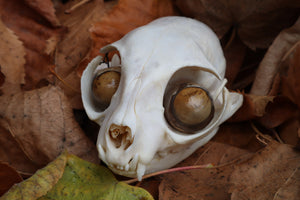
(137, 135)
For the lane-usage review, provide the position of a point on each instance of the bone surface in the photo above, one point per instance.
(136, 136)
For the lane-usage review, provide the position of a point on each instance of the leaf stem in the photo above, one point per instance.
(171, 170)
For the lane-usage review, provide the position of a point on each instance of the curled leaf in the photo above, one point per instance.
(273, 59)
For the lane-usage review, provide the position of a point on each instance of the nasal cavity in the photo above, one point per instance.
(121, 136)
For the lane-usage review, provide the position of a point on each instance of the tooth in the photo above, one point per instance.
(115, 61)
(127, 167)
(134, 161)
(140, 171)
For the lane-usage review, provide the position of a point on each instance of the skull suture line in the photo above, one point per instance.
(154, 119)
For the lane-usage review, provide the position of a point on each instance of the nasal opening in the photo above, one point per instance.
(121, 136)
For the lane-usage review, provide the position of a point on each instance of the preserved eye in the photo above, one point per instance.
(105, 84)
(189, 109)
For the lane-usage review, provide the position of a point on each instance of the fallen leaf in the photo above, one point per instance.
(290, 189)
(69, 177)
(273, 59)
(40, 183)
(44, 8)
(291, 83)
(234, 55)
(278, 112)
(75, 44)
(203, 183)
(12, 60)
(257, 24)
(8, 177)
(289, 132)
(263, 175)
(13, 154)
(253, 106)
(124, 17)
(42, 123)
(34, 24)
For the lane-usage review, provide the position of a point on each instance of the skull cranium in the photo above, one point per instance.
(138, 134)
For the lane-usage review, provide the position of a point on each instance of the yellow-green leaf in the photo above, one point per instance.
(80, 180)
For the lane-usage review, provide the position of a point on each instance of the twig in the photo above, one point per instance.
(207, 166)
(62, 80)
(68, 11)
(260, 134)
(169, 171)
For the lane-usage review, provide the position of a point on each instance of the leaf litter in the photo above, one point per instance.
(51, 47)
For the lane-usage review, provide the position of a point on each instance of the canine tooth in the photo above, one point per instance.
(140, 171)
(126, 167)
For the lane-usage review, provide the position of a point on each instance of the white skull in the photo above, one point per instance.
(135, 137)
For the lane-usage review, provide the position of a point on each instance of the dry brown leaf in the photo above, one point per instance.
(32, 22)
(253, 106)
(42, 123)
(257, 24)
(233, 143)
(271, 63)
(290, 190)
(291, 83)
(8, 177)
(13, 154)
(75, 44)
(12, 60)
(124, 17)
(234, 55)
(263, 175)
(289, 132)
(278, 112)
(44, 8)
(203, 183)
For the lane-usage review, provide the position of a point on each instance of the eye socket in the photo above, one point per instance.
(189, 108)
(105, 85)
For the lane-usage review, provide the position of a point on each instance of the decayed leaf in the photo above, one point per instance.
(13, 154)
(12, 60)
(44, 8)
(290, 132)
(253, 106)
(278, 112)
(265, 174)
(126, 16)
(40, 183)
(69, 177)
(33, 22)
(203, 183)
(291, 83)
(42, 123)
(290, 190)
(75, 44)
(234, 55)
(257, 23)
(273, 59)
(8, 177)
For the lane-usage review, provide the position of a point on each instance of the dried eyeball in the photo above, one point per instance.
(190, 109)
(105, 84)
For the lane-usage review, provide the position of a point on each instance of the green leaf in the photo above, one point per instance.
(79, 180)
